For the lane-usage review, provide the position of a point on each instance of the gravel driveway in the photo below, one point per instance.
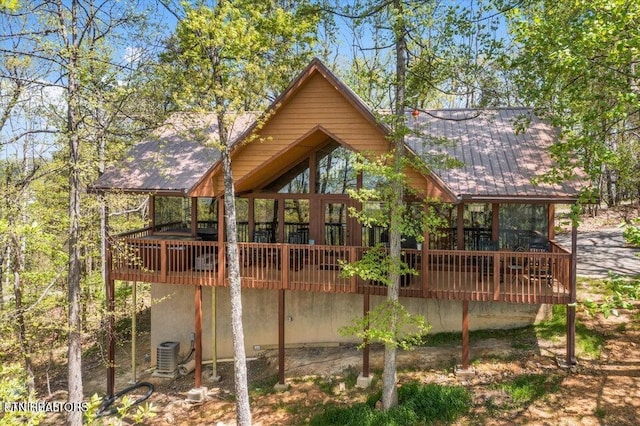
(602, 251)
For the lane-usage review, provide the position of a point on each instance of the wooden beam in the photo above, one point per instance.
(551, 214)
(281, 336)
(465, 334)
(111, 337)
(134, 303)
(571, 307)
(198, 332)
(214, 336)
(152, 213)
(194, 217)
(495, 221)
(365, 350)
(424, 264)
(460, 227)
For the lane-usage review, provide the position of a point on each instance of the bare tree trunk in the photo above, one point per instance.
(243, 411)
(389, 375)
(21, 325)
(74, 353)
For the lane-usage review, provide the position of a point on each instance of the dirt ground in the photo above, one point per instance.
(601, 391)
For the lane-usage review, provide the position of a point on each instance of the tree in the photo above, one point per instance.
(576, 64)
(439, 54)
(223, 60)
(69, 43)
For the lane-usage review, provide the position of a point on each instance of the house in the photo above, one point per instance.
(496, 265)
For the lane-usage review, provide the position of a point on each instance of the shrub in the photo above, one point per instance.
(417, 404)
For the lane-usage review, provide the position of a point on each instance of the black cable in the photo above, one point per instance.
(104, 410)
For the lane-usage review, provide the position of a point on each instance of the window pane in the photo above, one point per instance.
(334, 170)
(295, 181)
(265, 216)
(296, 217)
(173, 211)
(520, 224)
(242, 219)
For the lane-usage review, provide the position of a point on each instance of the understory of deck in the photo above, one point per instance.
(497, 276)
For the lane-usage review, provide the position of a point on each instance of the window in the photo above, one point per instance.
(521, 223)
(295, 181)
(334, 170)
(173, 211)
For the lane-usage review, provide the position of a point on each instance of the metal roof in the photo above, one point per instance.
(174, 159)
(494, 159)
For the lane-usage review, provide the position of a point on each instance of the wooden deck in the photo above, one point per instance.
(493, 276)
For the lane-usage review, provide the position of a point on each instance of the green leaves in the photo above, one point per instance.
(576, 65)
(391, 324)
(227, 57)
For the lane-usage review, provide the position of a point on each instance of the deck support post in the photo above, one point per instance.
(281, 337)
(571, 307)
(365, 378)
(198, 336)
(366, 349)
(214, 338)
(111, 337)
(134, 303)
(465, 334)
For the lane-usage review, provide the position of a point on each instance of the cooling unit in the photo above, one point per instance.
(167, 358)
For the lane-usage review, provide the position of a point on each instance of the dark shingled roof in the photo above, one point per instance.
(174, 159)
(497, 161)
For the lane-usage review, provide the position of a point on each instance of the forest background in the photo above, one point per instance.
(81, 81)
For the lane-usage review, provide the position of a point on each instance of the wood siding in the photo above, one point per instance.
(316, 113)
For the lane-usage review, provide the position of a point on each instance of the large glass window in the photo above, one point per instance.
(242, 219)
(334, 170)
(207, 211)
(172, 212)
(265, 216)
(296, 221)
(522, 224)
(295, 181)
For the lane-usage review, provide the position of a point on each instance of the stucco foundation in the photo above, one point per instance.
(310, 318)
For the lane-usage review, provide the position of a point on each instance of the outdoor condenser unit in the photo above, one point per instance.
(167, 357)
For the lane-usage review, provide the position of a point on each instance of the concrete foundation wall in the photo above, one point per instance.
(309, 317)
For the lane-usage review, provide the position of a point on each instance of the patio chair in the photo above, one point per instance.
(486, 260)
(540, 268)
(297, 255)
(263, 256)
(517, 266)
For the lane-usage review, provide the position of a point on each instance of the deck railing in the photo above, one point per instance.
(499, 276)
